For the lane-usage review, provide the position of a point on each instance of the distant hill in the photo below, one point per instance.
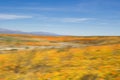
(7, 31)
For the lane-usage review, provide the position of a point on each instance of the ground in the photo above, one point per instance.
(28, 57)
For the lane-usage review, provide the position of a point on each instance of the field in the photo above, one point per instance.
(28, 57)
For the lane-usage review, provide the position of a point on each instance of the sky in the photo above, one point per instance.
(65, 17)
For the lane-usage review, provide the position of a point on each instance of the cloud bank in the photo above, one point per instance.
(66, 19)
(12, 16)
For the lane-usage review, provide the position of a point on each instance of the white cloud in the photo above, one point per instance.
(11, 16)
(68, 20)
(74, 19)
(45, 18)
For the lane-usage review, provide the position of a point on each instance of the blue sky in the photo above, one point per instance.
(68, 17)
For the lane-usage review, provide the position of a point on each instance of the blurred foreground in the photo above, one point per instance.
(27, 57)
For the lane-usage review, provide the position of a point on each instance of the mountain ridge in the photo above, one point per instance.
(8, 31)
